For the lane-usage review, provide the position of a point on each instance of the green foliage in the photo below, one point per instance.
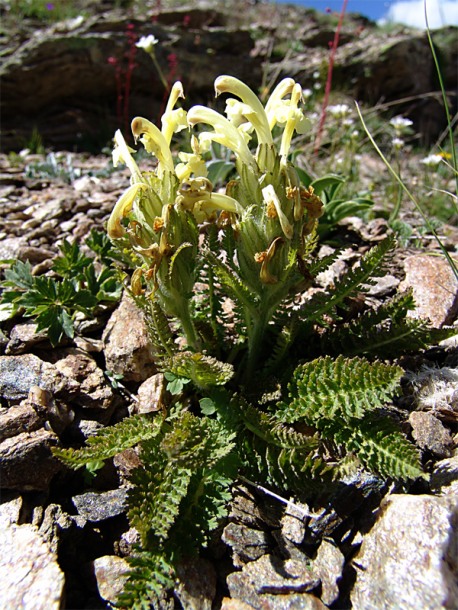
(54, 302)
(111, 441)
(264, 380)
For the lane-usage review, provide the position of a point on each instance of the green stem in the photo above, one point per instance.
(187, 325)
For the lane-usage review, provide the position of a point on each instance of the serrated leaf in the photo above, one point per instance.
(112, 440)
(203, 370)
(343, 387)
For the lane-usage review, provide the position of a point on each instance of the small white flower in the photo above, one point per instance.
(147, 43)
(339, 111)
(431, 160)
(397, 143)
(307, 93)
(401, 125)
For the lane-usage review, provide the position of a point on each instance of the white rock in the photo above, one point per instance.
(31, 578)
(410, 557)
(111, 574)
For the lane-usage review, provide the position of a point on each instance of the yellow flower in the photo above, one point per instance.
(271, 199)
(173, 120)
(122, 154)
(154, 142)
(251, 109)
(295, 121)
(122, 208)
(224, 133)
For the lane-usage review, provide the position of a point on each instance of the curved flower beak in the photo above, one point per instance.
(271, 199)
(251, 108)
(122, 154)
(224, 133)
(122, 208)
(296, 121)
(154, 142)
(173, 120)
(275, 105)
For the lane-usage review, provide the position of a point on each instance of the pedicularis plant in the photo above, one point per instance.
(265, 381)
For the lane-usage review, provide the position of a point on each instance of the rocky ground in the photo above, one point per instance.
(64, 537)
(369, 544)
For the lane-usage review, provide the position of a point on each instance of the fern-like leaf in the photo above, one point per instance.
(112, 440)
(150, 575)
(232, 282)
(371, 265)
(327, 387)
(277, 454)
(382, 448)
(203, 370)
(154, 501)
(385, 332)
(159, 330)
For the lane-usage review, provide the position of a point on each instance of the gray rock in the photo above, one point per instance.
(247, 544)
(292, 523)
(273, 583)
(23, 337)
(197, 584)
(328, 565)
(68, 67)
(128, 350)
(110, 573)
(98, 506)
(10, 511)
(17, 419)
(435, 288)
(19, 373)
(430, 433)
(94, 391)
(31, 578)
(444, 478)
(410, 557)
(27, 462)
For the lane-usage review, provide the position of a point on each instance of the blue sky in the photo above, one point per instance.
(410, 12)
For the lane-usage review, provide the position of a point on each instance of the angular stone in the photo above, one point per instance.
(128, 350)
(410, 557)
(435, 288)
(151, 394)
(273, 583)
(110, 573)
(27, 462)
(98, 506)
(430, 434)
(197, 584)
(94, 391)
(247, 544)
(17, 419)
(23, 337)
(31, 578)
(327, 566)
(19, 373)
(444, 478)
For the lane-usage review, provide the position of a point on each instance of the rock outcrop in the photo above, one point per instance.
(75, 82)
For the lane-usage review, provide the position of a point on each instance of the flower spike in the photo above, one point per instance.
(251, 109)
(154, 142)
(173, 119)
(224, 133)
(122, 154)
